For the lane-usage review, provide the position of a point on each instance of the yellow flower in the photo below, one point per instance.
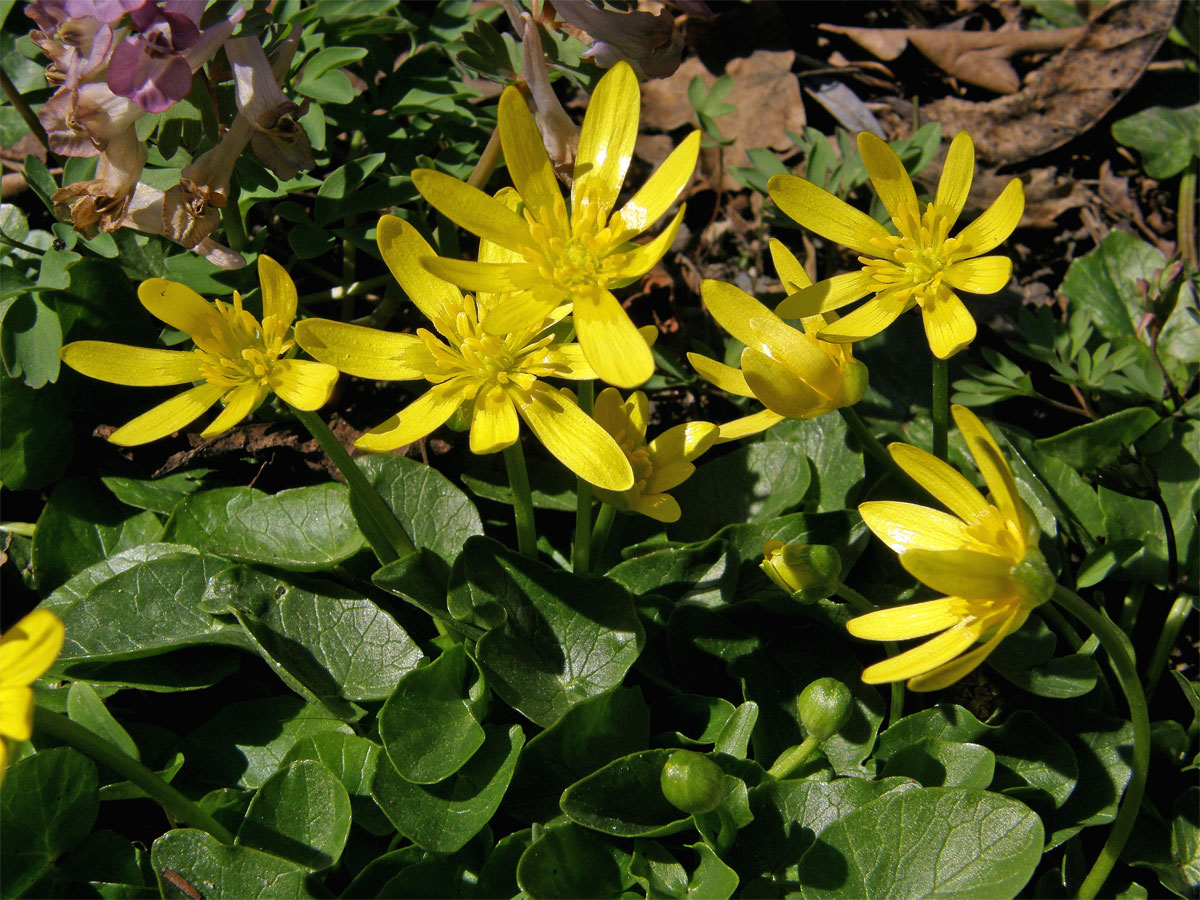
(799, 567)
(26, 651)
(575, 257)
(237, 360)
(498, 379)
(658, 466)
(794, 374)
(920, 264)
(984, 557)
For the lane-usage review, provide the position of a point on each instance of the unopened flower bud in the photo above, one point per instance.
(825, 707)
(809, 569)
(691, 782)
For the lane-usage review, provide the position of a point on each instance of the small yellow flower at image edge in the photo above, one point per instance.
(658, 465)
(237, 360)
(982, 555)
(26, 651)
(919, 265)
(574, 256)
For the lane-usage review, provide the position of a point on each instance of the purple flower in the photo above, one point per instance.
(107, 11)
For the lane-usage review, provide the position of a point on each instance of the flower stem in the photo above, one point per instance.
(862, 605)
(604, 524)
(518, 480)
(941, 407)
(1116, 643)
(109, 755)
(793, 758)
(1176, 616)
(582, 551)
(870, 442)
(383, 530)
(487, 162)
(231, 219)
(1185, 222)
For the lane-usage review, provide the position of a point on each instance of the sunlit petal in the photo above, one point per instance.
(800, 352)
(278, 291)
(778, 388)
(955, 183)
(569, 362)
(990, 461)
(239, 403)
(179, 306)
(16, 712)
(365, 352)
(302, 383)
(686, 441)
(521, 310)
(996, 223)
(906, 526)
(610, 340)
(983, 275)
(644, 258)
(661, 188)
(832, 293)
(961, 573)
(403, 248)
(949, 326)
(869, 319)
(525, 155)
(926, 656)
(29, 647)
(133, 366)
(494, 422)
(472, 209)
(733, 309)
(787, 267)
(887, 174)
(575, 440)
(419, 418)
(660, 507)
(168, 417)
(942, 480)
(948, 673)
(724, 377)
(820, 211)
(496, 278)
(606, 143)
(736, 429)
(900, 623)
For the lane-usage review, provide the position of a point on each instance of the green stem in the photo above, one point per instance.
(23, 109)
(1115, 642)
(604, 524)
(518, 480)
(862, 606)
(941, 407)
(793, 758)
(1050, 613)
(871, 443)
(231, 219)
(179, 806)
(1185, 221)
(1176, 617)
(582, 551)
(1131, 606)
(382, 529)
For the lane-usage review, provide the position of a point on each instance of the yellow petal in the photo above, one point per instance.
(278, 291)
(606, 143)
(788, 268)
(472, 209)
(365, 352)
(996, 223)
(660, 189)
(521, 310)
(907, 526)
(637, 408)
(574, 439)
(302, 383)
(961, 573)
(991, 464)
(403, 248)
(887, 174)
(668, 476)
(29, 647)
(133, 366)
(16, 712)
(948, 325)
(818, 210)
(494, 423)
(900, 623)
(778, 388)
(239, 403)
(942, 480)
(608, 410)
(926, 656)
(948, 673)
(747, 425)
(525, 155)
(179, 306)
(568, 361)
(800, 353)
(686, 441)
(733, 309)
(168, 417)
(495, 278)
(983, 275)
(610, 341)
(955, 183)
(419, 418)
(832, 293)
(869, 319)
(643, 259)
(660, 507)
(727, 378)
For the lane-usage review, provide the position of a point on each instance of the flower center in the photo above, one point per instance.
(576, 255)
(238, 350)
(917, 256)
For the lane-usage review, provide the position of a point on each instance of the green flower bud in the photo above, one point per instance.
(809, 569)
(825, 707)
(692, 782)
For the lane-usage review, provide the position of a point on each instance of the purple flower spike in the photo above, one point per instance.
(150, 77)
(107, 11)
(172, 25)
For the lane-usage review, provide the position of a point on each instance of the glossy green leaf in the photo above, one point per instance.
(1026, 658)
(753, 484)
(429, 725)
(1177, 468)
(436, 513)
(186, 859)
(84, 707)
(836, 460)
(156, 494)
(936, 763)
(420, 579)
(1086, 447)
(734, 738)
(81, 525)
(353, 761)
(1129, 519)
(301, 814)
(932, 842)
(555, 639)
(1104, 282)
(701, 573)
(1102, 746)
(625, 798)
(48, 804)
(34, 450)
(1168, 139)
(300, 528)
(443, 817)
(586, 737)
(568, 862)
(32, 334)
(79, 586)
